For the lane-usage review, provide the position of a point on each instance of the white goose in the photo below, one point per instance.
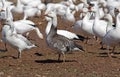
(60, 8)
(65, 33)
(18, 8)
(99, 27)
(23, 26)
(34, 3)
(112, 36)
(30, 11)
(87, 24)
(78, 24)
(68, 16)
(15, 40)
(3, 5)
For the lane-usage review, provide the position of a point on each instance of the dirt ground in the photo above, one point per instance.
(42, 61)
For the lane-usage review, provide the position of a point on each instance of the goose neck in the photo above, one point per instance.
(18, 2)
(118, 20)
(54, 21)
(97, 15)
(48, 27)
(109, 25)
(53, 32)
(87, 16)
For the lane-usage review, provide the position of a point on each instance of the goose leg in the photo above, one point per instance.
(87, 40)
(108, 48)
(113, 50)
(5, 47)
(63, 56)
(59, 55)
(101, 44)
(19, 54)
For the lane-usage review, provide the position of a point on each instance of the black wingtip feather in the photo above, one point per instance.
(80, 47)
(80, 38)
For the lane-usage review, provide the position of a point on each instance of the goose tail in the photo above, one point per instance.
(79, 37)
(79, 48)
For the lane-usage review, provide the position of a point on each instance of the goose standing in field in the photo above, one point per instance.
(18, 8)
(78, 24)
(23, 26)
(99, 26)
(60, 43)
(30, 11)
(112, 36)
(65, 33)
(68, 16)
(15, 40)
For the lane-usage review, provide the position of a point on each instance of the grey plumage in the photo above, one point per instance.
(60, 43)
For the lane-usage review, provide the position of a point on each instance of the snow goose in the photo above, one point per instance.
(30, 11)
(110, 24)
(60, 43)
(3, 5)
(23, 26)
(15, 40)
(87, 24)
(78, 24)
(112, 36)
(68, 16)
(59, 8)
(111, 7)
(65, 33)
(99, 26)
(34, 3)
(25, 1)
(18, 8)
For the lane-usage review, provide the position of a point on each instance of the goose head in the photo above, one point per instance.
(51, 14)
(108, 17)
(93, 9)
(48, 18)
(53, 17)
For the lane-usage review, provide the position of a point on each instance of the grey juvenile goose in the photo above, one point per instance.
(60, 43)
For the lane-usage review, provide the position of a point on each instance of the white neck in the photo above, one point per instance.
(18, 2)
(47, 30)
(118, 21)
(52, 21)
(109, 25)
(87, 16)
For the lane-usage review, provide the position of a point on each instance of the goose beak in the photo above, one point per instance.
(41, 36)
(89, 9)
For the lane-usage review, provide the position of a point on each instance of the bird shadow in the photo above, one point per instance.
(9, 57)
(53, 61)
(105, 54)
(103, 48)
(38, 54)
(1, 50)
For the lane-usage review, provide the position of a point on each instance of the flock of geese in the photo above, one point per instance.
(98, 18)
